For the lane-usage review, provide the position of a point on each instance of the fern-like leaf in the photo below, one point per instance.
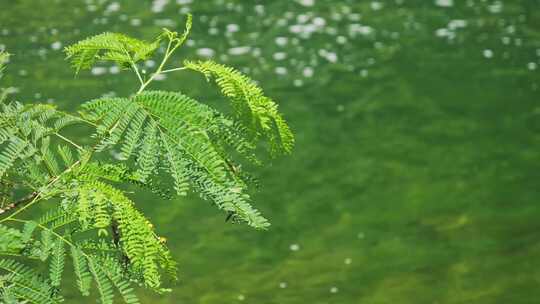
(11, 240)
(113, 271)
(155, 132)
(137, 240)
(27, 284)
(184, 135)
(258, 112)
(149, 153)
(103, 285)
(4, 58)
(80, 266)
(56, 266)
(47, 244)
(119, 48)
(12, 152)
(66, 155)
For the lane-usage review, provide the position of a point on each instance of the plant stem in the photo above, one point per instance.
(50, 230)
(39, 195)
(134, 66)
(69, 141)
(173, 70)
(15, 204)
(165, 58)
(160, 70)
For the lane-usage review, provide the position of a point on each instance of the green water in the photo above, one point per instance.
(417, 169)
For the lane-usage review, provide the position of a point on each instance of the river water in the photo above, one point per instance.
(417, 169)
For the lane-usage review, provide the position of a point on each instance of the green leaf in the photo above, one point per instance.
(178, 133)
(80, 266)
(11, 153)
(119, 48)
(113, 271)
(103, 285)
(258, 112)
(4, 58)
(46, 244)
(27, 284)
(56, 266)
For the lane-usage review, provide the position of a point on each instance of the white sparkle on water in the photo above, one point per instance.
(457, 23)
(375, 5)
(282, 41)
(356, 28)
(308, 72)
(511, 29)
(318, 21)
(56, 45)
(259, 9)
(444, 3)
(160, 77)
(206, 52)
(307, 2)
(341, 39)
(150, 63)
(280, 55)
(330, 56)
(97, 71)
(165, 23)
(135, 22)
(159, 5)
(241, 50)
(113, 7)
(281, 70)
(233, 28)
(444, 32)
(496, 7)
(114, 69)
(256, 52)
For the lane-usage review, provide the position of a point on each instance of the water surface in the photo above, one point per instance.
(416, 173)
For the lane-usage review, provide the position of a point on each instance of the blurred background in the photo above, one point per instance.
(417, 169)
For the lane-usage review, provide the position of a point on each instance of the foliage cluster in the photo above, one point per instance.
(166, 140)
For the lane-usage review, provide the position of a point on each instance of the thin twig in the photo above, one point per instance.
(15, 204)
(50, 230)
(173, 70)
(40, 193)
(134, 66)
(168, 53)
(69, 141)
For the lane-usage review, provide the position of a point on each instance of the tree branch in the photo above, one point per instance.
(22, 201)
